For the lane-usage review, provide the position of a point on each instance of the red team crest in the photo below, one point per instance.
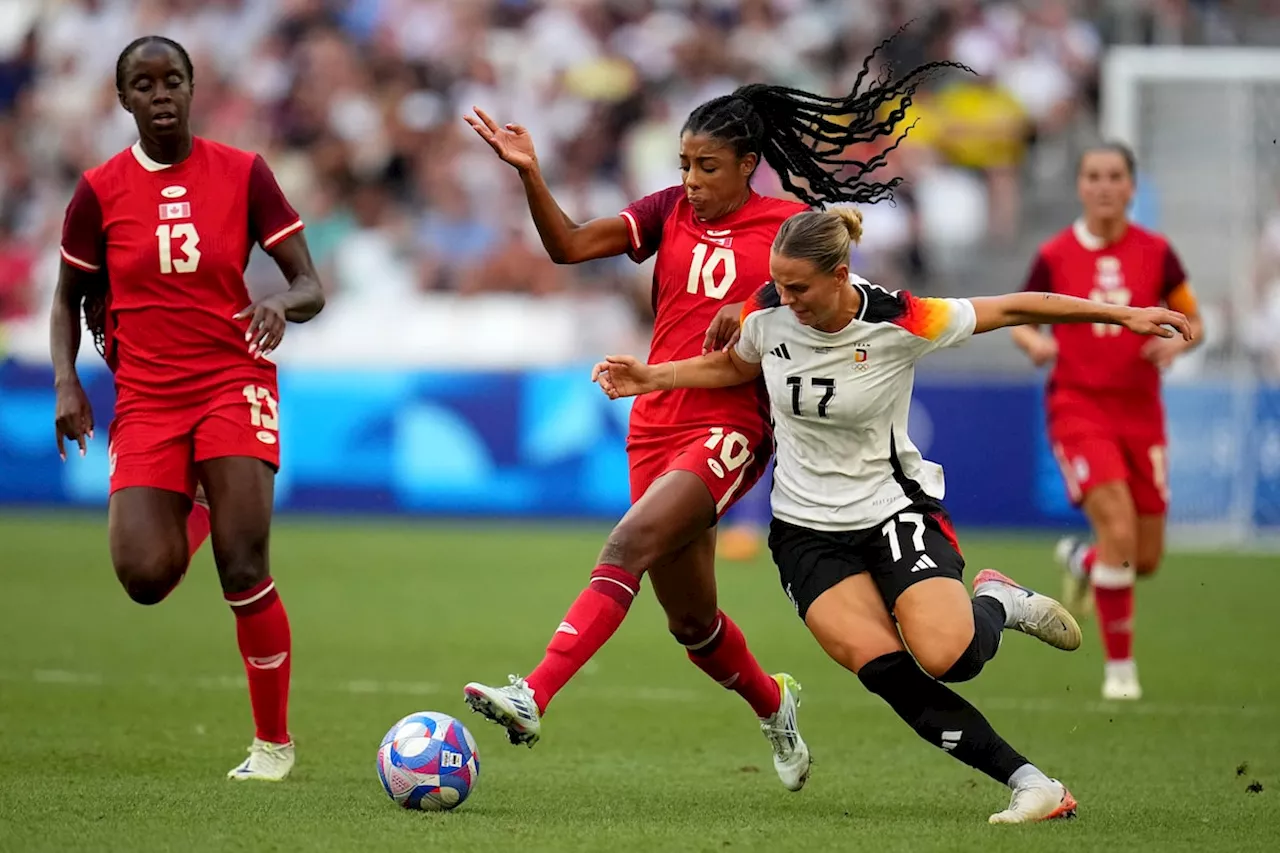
(176, 239)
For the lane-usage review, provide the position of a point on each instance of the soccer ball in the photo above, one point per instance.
(428, 761)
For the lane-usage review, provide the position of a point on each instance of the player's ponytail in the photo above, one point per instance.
(806, 138)
(824, 238)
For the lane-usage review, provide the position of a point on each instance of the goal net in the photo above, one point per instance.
(1204, 123)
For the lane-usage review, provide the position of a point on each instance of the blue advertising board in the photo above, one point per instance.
(548, 444)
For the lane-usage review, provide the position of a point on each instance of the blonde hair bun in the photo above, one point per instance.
(851, 218)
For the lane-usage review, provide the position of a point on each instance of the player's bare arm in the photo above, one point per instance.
(303, 300)
(626, 376)
(73, 417)
(566, 241)
(1018, 309)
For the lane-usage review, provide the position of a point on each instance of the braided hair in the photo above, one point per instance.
(95, 290)
(804, 137)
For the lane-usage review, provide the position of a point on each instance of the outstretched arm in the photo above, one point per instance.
(566, 241)
(1023, 309)
(625, 376)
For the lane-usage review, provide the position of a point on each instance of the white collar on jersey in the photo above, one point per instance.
(146, 162)
(1087, 238)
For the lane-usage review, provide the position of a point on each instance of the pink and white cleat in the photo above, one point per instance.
(1030, 612)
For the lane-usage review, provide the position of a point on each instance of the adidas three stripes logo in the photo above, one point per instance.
(781, 352)
(925, 562)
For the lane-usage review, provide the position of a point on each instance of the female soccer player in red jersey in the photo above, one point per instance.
(154, 247)
(1105, 418)
(694, 452)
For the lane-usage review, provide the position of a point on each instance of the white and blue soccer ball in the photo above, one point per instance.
(428, 761)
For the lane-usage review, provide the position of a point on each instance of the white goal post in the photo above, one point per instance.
(1204, 124)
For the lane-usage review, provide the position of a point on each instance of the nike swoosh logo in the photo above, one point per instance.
(566, 628)
(269, 662)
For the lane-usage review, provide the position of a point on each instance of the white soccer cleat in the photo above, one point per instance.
(1077, 593)
(790, 753)
(1030, 612)
(1036, 802)
(1121, 682)
(511, 707)
(267, 762)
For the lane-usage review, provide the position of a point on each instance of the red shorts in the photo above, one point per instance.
(728, 460)
(160, 447)
(1091, 452)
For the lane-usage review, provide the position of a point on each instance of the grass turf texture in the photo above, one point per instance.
(118, 723)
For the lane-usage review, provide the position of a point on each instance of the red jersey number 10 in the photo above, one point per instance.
(709, 263)
(184, 234)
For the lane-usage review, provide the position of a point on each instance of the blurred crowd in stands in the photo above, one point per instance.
(357, 105)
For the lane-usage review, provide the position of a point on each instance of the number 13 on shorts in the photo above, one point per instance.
(264, 413)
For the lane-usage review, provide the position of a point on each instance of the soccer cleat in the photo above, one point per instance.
(790, 753)
(1076, 592)
(267, 762)
(1037, 802)
(1033, 614)
(1121, 682)
(511, 707)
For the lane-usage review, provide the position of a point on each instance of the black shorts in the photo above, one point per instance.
(915, 544)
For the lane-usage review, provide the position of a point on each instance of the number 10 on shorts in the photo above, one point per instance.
(735, 451)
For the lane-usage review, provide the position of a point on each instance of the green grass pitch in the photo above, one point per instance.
(118, 723)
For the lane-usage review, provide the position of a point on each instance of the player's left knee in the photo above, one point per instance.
(243, 568)
(690, 629)
(965, 668)
(940, 653)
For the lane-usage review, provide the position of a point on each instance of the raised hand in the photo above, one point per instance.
(511, 142)
(624, 376)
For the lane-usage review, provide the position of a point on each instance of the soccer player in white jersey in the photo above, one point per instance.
(859, 534)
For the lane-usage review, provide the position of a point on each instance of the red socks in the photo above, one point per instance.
(1113, 600)
(197, 528)
(262, 629)
(596, 615)
(590, 622)
(724, 656)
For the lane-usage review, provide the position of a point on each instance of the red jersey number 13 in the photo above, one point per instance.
(185, 236)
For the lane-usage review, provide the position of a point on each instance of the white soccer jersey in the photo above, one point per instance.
(840, 402)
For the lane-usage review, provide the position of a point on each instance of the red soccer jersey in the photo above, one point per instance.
(701, 267)
(1140, 269)
(174, 241)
